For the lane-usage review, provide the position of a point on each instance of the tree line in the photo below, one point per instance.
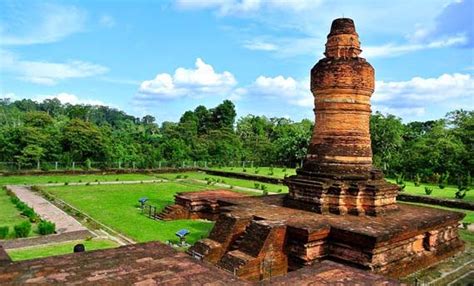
(51, 131)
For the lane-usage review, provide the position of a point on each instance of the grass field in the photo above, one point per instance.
(44, 179)
(57, 249)
(261, 171)
(117, 207)
(446, 193)
(230, 181)
(10, 216)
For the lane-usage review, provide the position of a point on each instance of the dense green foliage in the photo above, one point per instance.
(22, 229)
(4, 230)
(46, 227)
(438, 151)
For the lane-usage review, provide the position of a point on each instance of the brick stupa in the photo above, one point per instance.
(337, 175)
(338, 207)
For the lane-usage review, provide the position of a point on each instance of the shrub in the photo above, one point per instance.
(244, 170)
(88, 183)
(4, 231)
(80, 181)
(265, 192)
(23, 229)
(402, 187)
(256, 185)
(399, 179)
(279, 191)
(428, 190)
(263, 187)
(443, 180)
(178, 176)
(66, 183)
(14, 200)
(283, 170)
(417, 180)
(185, 176)
(46, 227)
(461, 193)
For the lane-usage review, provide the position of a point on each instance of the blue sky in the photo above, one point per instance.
(165, 57)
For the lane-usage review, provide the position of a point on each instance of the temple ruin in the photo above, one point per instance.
(339, 207)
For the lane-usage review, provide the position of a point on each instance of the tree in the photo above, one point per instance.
(387, 138)
(82, 140)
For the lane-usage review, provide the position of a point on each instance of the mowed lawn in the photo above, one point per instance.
(58, 249)
(117, 207)
(447, 193)
(10, 216)
(261, 171)
(225, 180)
(44, 179)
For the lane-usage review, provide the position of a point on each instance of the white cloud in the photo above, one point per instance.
(107, 21)
(38, 23)
(415, 96)
(391, 50)
(425, 90)
(48, 73)
(202, 80)
(65, 97)
(260, 46)
(9, 95)
(292, 91)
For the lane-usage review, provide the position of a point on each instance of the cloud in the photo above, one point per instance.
(414, 96)
(107, 21)
(295, 92)
(31, 23)
(201, 81)
(392, 50)
(260, 46)
(225, 7)
(48, 73)
(65, 97)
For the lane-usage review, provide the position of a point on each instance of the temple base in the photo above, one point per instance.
(259, 237)
(364, 195)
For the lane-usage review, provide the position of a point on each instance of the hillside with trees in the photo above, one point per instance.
(101, 137)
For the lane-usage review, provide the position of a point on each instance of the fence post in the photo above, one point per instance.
(159, 165)
(73, 165)
(243, 164)
(251, 164)
(38, 165)
(205, 164)
(133, 165)
(183, 164)
(56, 166)
(120, 164)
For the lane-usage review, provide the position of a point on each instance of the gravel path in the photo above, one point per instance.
(46, 210)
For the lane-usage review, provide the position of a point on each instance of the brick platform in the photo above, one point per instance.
(197, 205)
(158, 264)
(254, 230)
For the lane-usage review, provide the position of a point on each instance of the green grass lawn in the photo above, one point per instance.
(44, 179)
(117, 207)
(446, 193)
(10, 216)
(230, 181)
(262, 171)
(57, 249)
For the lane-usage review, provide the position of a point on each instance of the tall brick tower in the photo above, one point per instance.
(337, 175)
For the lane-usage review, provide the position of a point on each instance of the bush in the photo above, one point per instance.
(400, 180)
(265, 192)
(66, 183)
(461, 193)
(4, 231)
(256, 185)
(46, 227)
(428, 190)
(279, 191)
(417, 180)
(244, 170)
(23, 229)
